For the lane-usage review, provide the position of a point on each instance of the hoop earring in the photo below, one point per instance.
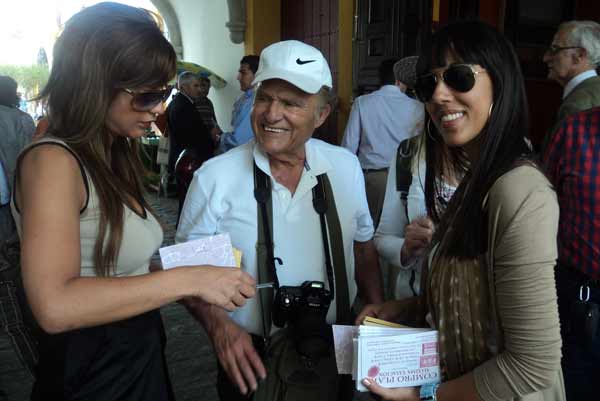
(490, 110)
(428, 130)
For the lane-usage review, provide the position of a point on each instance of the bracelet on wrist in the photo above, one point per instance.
(429, 392)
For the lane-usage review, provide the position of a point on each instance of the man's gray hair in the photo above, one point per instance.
(585, 34)
(327, 96)
(185, 78)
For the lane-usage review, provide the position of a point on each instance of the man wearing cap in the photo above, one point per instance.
(291, 102)
(378, 122)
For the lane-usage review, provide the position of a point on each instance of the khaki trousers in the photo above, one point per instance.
(375, 182)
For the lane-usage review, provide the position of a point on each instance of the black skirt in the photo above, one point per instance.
(122, 360)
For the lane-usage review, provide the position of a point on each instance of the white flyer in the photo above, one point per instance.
(344, 353)
(404, 360)
(215, 250)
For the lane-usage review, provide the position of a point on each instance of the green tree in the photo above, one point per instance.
(31, 78)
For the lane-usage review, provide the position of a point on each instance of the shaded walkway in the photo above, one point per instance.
(191, 360)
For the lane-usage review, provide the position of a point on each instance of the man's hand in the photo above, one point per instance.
(417, 237)
(367, 273)
(236, 353)
(215, 134)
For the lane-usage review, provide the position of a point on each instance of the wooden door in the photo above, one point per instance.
(530, 25)
(386, 29)
(315, 22)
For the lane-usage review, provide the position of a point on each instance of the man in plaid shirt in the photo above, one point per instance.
(573, 164)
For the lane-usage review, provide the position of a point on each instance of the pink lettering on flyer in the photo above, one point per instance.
(428, 361)
(430, 348)
(373, 371)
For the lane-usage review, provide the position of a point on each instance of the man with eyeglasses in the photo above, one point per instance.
(572, 59)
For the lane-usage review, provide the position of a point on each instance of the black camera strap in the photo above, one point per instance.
(265, 258)
(324, 205)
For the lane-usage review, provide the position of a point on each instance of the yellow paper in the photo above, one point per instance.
(372, 321)
(237, 255)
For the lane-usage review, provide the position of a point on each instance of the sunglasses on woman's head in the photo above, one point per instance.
(146, 101)
(459, 77)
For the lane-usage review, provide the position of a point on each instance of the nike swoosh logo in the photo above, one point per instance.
(301, 62)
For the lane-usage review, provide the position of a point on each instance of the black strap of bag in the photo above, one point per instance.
(334, 239)
(405, 153)
(324, 204)
(265, 258)
(404, 157)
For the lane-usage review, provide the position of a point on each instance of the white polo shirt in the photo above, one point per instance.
(221, 200)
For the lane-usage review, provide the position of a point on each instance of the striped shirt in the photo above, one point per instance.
(573, 164)
(207, 112)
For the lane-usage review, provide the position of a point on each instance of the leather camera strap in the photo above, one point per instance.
(342, 298)
(265, 258)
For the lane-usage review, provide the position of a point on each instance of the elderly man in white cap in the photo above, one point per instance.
(296, 208)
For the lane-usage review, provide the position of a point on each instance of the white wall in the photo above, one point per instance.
(206, 41)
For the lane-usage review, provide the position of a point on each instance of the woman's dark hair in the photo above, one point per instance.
(104, 49)
(501, 142)
(8, 92)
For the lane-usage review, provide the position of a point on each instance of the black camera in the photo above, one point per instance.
(304, 309)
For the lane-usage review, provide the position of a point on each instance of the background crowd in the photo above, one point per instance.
(490, 242)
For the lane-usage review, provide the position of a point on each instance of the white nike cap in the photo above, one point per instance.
(295, 62)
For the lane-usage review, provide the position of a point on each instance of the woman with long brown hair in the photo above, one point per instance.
(87, 233)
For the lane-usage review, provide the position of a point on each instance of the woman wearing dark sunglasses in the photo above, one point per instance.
(489, 286)
(87, 233)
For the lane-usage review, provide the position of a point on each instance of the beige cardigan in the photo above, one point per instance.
(522, 228)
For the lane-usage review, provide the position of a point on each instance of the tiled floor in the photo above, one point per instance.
(191, 360)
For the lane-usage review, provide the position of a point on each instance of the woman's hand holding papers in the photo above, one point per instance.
(392, 311)
(392, 394)
(226, 287)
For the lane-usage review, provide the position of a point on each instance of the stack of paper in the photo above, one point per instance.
(396, 356)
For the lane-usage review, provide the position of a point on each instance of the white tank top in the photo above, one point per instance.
(141, 235)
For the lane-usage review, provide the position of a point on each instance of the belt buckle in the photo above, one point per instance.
(584, 288)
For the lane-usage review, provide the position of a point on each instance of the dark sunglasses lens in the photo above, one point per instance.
(460, 78)
(148, 100)
(425, 87)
